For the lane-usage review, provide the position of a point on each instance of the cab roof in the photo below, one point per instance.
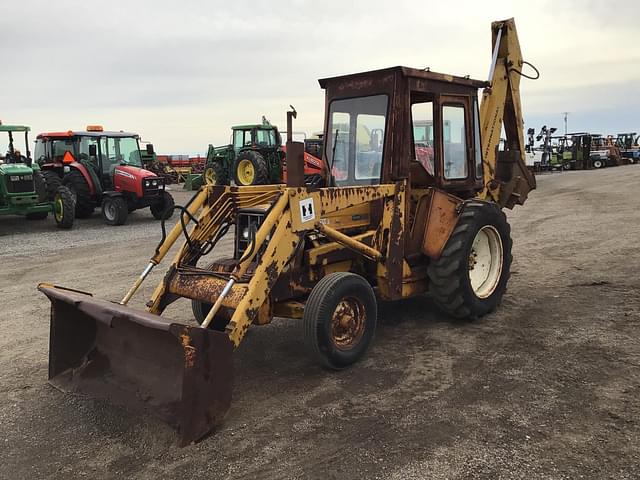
(14, 128)
(84, 133)
(407, 72)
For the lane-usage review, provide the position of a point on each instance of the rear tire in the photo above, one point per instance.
(251, 169)
(216, 174)
(340, 319)
(52, 181)
(163, 210)
(64, 208)
(114, 210)
(40, 185)
(471, 275)
(75, 182)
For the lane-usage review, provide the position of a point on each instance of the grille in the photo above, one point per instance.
(21, 184)
(152, 190)
(246, 220)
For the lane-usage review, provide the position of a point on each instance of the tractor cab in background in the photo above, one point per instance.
(103, 168)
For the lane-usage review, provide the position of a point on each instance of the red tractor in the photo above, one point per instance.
(102, 168)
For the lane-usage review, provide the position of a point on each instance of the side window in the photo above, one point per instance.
(455, 149)
(476, 136)
(369, 137)
(422, 119)
(238, 139)
(339, 144)
(40, 152)
(104, 156)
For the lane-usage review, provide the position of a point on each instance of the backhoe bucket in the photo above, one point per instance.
(181, 373)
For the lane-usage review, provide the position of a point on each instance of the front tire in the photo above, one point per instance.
(52, 182)
(340, 319)
(598, 164)
(470, 277)
(64, 208)
(114, 210)
(251, 169)
(75, 182)
(163, 210)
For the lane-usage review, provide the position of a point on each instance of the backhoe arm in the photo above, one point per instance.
(507, 180)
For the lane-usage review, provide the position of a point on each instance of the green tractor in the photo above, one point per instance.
(23, 189)
(254, 157)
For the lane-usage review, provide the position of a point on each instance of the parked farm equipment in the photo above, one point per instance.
(23, 188)
(103, 168)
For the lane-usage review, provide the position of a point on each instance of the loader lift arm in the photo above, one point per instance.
(507, 181)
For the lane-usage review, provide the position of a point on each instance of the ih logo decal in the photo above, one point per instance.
(306, 210)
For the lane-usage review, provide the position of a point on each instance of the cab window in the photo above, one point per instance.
(454, 142)
(355, 139)
(423, 135)
(266, 138)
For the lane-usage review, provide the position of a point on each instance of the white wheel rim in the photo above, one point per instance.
(485, 261)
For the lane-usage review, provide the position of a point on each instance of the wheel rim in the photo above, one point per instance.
(110, 210)
(210, 176)
(246, 172)
(58, 211)
(347, 323)
(485, 261)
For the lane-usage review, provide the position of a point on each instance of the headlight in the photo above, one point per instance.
(245, 233)
(154, 183)
(14, 178)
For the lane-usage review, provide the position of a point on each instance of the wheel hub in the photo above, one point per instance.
(347, 323)
(485, 261)
(58, 209)
(246, 172)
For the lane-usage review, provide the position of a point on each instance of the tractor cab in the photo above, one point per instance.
(441, 148)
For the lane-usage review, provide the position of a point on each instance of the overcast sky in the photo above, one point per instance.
(181, 73)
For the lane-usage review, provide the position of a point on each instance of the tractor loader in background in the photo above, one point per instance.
(386, 228)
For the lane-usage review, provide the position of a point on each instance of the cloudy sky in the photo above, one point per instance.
(181, 73)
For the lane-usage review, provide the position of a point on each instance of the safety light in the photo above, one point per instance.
(95, 128)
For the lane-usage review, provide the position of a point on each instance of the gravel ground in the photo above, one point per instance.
(548, 386)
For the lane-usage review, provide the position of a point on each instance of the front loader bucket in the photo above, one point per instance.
(181, 373)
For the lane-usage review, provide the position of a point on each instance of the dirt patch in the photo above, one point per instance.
(548, 386)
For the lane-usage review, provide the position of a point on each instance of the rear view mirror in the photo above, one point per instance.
(150, 150)
(93, 150)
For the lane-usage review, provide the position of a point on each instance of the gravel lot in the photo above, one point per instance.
(546, 387)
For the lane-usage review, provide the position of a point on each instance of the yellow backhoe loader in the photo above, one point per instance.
(411, 204)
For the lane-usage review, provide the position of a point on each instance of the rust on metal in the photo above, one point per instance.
(182, 374)
(348, 323)
(444, 210)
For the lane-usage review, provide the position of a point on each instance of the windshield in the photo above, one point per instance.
(355, 139)
(123, 150)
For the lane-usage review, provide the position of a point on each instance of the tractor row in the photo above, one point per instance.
(580, 151)
(72, 173)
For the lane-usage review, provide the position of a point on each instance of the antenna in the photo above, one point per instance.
(566, 114)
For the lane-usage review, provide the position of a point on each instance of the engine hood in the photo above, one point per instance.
(133, 172)
(15, 169)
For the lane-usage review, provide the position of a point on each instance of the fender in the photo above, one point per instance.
(85, 173)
